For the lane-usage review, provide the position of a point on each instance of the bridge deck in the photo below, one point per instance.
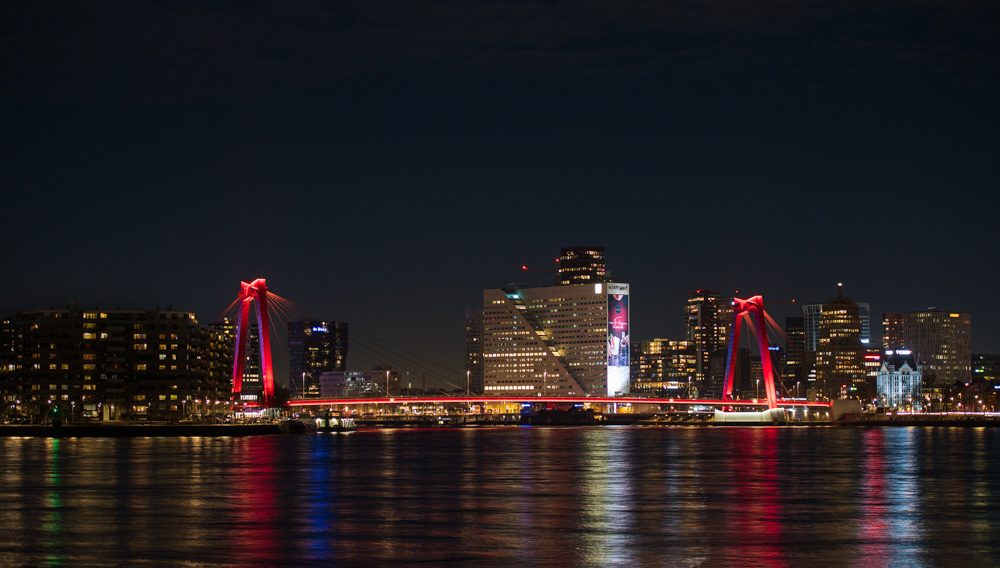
(550, 399)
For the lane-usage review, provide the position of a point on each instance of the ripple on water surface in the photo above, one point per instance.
(534, 496)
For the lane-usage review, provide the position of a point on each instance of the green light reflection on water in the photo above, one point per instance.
(53, 524)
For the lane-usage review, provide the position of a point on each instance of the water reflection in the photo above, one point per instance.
(255, 517)
(873, 528)
(52, 525)
(607, 508)
(508, 496)
(755, 502)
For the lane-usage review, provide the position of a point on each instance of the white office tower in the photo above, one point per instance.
(568, 340)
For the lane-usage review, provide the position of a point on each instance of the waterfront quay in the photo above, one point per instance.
(98, 430)
(928, 419)
(301, 416)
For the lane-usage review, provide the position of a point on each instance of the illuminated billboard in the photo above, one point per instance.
(618, 339)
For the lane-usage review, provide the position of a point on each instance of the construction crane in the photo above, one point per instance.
(553, 271)
(533, 269)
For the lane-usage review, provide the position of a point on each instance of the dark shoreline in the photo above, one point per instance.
(137, 430)
(879, 420)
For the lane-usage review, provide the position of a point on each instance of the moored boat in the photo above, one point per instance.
(335, 424)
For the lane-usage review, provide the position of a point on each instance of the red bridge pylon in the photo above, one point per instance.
(752, 311)
(256, 290)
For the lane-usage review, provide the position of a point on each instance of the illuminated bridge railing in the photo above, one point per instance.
(551, 399)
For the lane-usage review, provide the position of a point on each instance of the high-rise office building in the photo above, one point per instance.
(474, 350)
(812, 313)
(557, 340)
(940, 340)
(581, 265)
(795, 352)
(865, 317)
(840, 368)
(663, 367)
(707, 319)
(314, 348)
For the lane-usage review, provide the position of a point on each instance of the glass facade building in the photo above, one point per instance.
(314, 348)
(556, 340)
(941, 341)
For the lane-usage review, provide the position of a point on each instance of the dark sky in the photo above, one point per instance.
(382, 163)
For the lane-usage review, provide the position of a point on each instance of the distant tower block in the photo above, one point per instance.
(581, 265)
(256, 290)
(751, 310)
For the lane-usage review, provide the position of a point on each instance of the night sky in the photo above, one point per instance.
(382, 163)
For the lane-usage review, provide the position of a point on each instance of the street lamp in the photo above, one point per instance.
(467, 382)
(756, 392)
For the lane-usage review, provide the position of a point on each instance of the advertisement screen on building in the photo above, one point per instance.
(618, 339)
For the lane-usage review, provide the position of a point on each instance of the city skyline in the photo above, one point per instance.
(383, 165)
(674, 331)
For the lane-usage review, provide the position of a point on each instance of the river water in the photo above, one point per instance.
(603, 496)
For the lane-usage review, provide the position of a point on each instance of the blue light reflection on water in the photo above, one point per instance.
(526, 496)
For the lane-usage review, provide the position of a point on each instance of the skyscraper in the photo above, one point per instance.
(941, 342)
(707, 319)
(474, 350)
(314, 348)
(795, 352)
(840, 368)
(811, 314)
(865, 317)
(556, 340)
(581, 265)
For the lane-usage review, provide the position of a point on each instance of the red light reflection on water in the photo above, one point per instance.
(257, 538)
(757, 513)
(873, 526)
